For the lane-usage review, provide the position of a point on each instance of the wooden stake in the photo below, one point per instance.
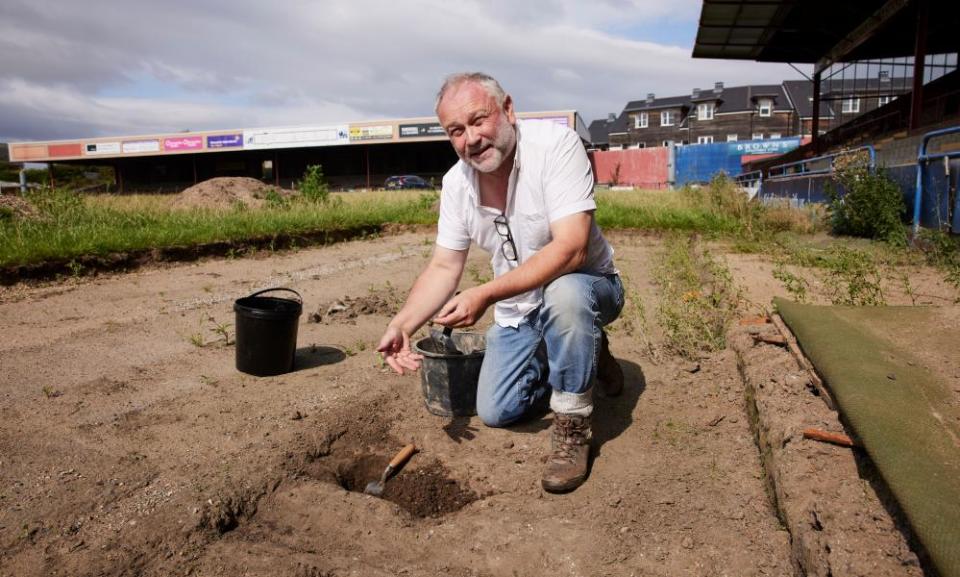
(828, 437)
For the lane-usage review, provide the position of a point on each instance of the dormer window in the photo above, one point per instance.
(851, 105)
(666, 118)
(641, 120)
(705, 111)
(765, 106)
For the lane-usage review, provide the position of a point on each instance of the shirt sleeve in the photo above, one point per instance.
(568, 185)
(452, 230)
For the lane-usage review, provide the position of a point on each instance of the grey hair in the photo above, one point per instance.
(488, 82)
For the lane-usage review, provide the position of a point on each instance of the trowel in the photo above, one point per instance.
(443, 341)
(376, 487)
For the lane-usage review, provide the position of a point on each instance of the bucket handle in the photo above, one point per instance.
(260, 292)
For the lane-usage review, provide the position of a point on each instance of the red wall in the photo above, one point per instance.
(640, 167)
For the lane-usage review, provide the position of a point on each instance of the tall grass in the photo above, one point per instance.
(70, 226)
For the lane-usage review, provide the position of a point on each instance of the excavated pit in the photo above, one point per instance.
(422, 489)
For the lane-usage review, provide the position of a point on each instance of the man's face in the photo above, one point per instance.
(482, 133)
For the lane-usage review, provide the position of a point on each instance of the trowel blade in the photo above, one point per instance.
(374, 488)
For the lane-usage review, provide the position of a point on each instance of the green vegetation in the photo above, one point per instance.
(871, 206)
(69, 225)
(697, 297)
(718, 209)
(313, 187)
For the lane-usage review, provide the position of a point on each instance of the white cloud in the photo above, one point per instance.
(72, 69)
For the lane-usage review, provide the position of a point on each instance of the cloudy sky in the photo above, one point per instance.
(72, 69)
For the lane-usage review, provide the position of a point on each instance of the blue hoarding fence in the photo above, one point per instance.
(699, 163)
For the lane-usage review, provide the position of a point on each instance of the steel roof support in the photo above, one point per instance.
(919, 55)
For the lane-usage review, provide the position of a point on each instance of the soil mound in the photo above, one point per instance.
(224, 193)
(20, 206)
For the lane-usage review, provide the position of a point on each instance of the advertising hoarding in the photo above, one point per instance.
(65, 149)
(94, 148)
(183, 143)
(258, 138)
(377, 132)
(225, 140)
(134, 146)
(777, 146)
(421, 130)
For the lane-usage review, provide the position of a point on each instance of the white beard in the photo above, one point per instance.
(494, 156)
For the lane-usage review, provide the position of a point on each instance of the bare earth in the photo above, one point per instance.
(130, 445)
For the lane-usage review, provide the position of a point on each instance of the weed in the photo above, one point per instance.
(866, 204)
(275, 200)
(222, 330)
(360, 346)
(209, 381)
(76, 268)
(314, 187)
(903, 277)
(853, 277)
(697, 298)
(50, 392)
(196, 339)
(795, 285)
(349, 351)
(633, 318)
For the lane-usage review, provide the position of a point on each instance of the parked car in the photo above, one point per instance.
(406, 181)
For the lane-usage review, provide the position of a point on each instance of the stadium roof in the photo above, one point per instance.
(808, 31)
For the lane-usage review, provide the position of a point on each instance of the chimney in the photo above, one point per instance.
(718, 87)
(650, 97)
(611, 117)
(696, 93)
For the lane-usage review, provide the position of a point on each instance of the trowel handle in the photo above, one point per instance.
(401, 457)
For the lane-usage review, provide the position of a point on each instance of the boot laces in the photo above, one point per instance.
(568, 434)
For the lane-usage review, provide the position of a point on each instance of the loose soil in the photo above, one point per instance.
(19, 206)
(224, 193)
(126, 449)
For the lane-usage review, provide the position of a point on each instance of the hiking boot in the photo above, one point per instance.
(567, 466)
(609, 373)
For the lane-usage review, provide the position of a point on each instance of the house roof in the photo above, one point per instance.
(729, 99)
(801, 93)
(600, 130)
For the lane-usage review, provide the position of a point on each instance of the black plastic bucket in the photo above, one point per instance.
(450, 381)
(267, 332)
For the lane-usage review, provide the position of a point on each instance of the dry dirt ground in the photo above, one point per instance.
(130, 445)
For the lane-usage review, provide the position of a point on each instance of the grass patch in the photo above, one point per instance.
(70, 226)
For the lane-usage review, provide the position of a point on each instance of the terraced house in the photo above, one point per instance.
(729, 114)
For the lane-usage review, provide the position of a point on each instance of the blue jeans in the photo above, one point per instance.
(555, 348)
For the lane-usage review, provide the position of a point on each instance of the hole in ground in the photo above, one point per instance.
(423, 489)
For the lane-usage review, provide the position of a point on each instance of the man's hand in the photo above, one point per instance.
(463, 310)
(395, 346)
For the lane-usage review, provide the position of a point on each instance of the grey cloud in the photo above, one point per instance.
(272, 61)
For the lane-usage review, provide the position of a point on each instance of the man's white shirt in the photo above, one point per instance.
(551, 179)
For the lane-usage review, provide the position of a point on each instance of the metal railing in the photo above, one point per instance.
(923, 159)
(803, 167)
(752, 182)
